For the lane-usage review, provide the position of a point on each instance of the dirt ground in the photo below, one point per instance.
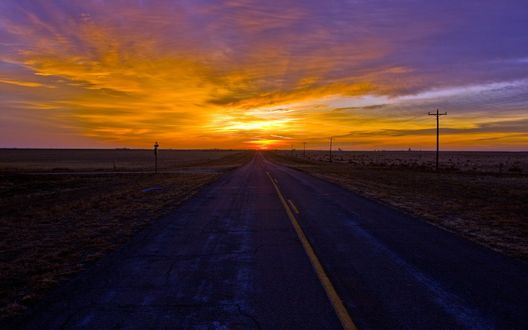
(52, 226)
(484, 206)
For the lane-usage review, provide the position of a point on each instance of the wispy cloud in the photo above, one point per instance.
(21, 83)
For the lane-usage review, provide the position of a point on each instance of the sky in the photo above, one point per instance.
(264, 74)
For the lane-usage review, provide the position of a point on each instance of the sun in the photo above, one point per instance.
(265, 144)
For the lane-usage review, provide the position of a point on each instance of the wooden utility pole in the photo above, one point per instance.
(437, 114)
(156, 145)
(304, 149)
(331, 138)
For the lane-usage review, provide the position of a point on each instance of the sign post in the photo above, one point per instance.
(156, 145)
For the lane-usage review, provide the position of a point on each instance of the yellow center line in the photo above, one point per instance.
(294, 208)
(335, 300)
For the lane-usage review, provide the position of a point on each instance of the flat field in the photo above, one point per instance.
(458, 161)
(102, 160)
(472, 194)
(54, 224)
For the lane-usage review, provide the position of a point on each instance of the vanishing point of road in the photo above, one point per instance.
(268, 247)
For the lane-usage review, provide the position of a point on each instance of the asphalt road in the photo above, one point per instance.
(268, 247)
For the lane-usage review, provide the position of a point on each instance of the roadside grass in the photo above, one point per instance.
(487, 208)
(53, 226)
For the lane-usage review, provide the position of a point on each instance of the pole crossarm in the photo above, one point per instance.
(437, 114)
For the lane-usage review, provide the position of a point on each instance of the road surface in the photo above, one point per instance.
(268, 247)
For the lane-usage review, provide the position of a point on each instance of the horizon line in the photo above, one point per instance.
(256, 149)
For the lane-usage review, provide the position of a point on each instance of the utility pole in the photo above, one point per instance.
(304, 149)
(291, 152)
(156, 145)
(437, 114)
(331, 138)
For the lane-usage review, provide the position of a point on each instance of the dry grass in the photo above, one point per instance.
(489, 208)
(52, 226)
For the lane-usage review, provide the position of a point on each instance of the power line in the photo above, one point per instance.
(437, 114)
